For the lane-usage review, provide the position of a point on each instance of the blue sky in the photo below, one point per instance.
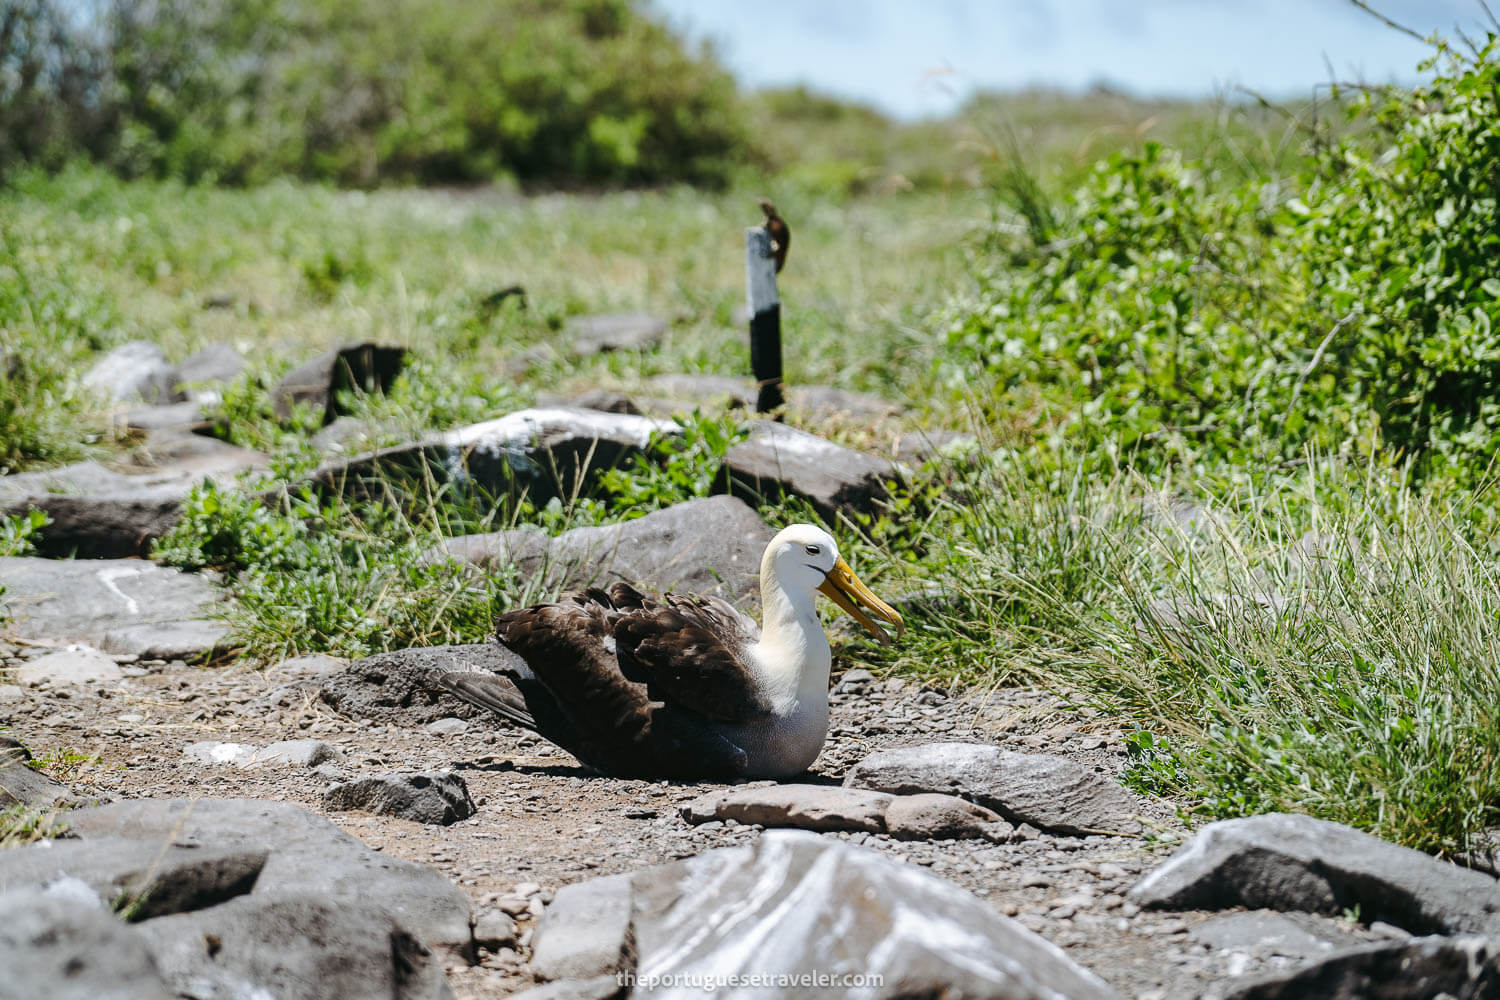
(916, 57)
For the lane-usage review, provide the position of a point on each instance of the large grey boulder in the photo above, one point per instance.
(1281, 861)
(708, 546)
(779, 460)
(305, 855)
(108, 513)
(367, 367)
(401, 687)
(296, 946)
(433, 797)
(1051, 793)
(614, 332)
(125, 606)
(66, 949)
(540, 453)
(799, 906)
(69, 668)
(1463, 968)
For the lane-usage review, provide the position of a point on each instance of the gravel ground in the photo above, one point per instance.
(544, 822)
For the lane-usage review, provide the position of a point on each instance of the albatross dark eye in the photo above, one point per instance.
(813, 550)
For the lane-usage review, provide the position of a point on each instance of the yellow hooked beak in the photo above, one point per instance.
(844, 588)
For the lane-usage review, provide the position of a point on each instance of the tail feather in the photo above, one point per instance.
(493, 692)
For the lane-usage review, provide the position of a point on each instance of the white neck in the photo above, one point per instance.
(793, 651)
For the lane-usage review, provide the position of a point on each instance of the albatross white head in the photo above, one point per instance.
(801, 561)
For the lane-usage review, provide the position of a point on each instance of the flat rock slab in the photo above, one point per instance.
(1050, 793)
(1419, 969)
(126, 606)
(109, 513)
(185, 417)
(305, 855)
(1264, 933)
(401, 687)
(710, 546)
(542, 453)
(69, 668)
(614, 332)
(808, 807)
(367, 367)
(797, 905)
(829, 807)
(778, 460)
(436, 798)
(1282, 861)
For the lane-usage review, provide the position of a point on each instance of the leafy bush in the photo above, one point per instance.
(1398, 242)
(1178, 318)
(584, 91)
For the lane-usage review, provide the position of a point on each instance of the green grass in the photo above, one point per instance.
(1258, 536)
(1327, 646)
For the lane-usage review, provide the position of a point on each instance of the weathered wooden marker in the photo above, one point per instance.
(765, 319)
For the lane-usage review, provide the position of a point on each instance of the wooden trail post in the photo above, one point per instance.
(765, 319)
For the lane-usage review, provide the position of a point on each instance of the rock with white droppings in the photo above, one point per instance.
(218, 752)
(1281, 861)
(69, 668)
(1051, 793)
(542, 453)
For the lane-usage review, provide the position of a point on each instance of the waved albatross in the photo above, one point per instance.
(683, 687)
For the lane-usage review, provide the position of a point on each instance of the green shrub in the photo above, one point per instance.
(1180, 318)
(436, 91)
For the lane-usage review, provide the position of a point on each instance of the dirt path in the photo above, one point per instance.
(543, 822)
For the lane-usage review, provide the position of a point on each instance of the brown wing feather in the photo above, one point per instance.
(687, 651)
(616, 723)
(564, 645)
